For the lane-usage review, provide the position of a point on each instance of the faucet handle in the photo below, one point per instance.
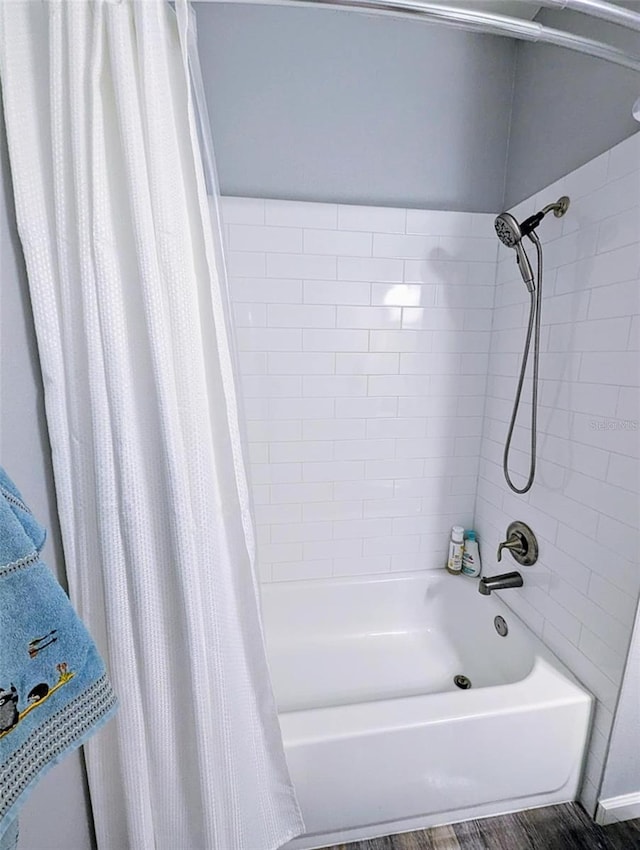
(522, 544)
(514, 544)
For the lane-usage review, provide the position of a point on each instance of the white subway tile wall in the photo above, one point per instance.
(363, 338)
(581, 596)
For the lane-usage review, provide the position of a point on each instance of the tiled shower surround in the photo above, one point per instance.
(581, 596)
(379, 351)
(364, 337)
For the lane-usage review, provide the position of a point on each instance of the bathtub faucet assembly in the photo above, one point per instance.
(522, 544)
(490, 583)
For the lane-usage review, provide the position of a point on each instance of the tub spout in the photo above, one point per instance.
(489, 583)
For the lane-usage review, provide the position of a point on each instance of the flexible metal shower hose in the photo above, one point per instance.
(534, 318)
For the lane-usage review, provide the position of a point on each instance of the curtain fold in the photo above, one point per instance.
(127, 287)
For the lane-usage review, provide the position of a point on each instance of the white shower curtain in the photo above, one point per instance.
(152, 495)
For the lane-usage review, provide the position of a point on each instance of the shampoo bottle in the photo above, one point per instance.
(471, 565)
(456, 548)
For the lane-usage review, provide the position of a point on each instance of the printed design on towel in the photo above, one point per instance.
(67, 727)
(10, 715)
(38, 644)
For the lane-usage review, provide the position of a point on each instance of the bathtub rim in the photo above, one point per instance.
(546, 664)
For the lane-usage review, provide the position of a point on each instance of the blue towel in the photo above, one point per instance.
(54, 692)
(9, 840)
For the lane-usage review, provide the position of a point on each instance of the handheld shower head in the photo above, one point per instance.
(508, 229)
(510, 234)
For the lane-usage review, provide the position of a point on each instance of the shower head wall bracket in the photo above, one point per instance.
(559, 208)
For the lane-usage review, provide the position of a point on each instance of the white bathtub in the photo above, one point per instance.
(378, 737)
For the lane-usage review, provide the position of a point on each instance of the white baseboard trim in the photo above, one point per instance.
(616, 809)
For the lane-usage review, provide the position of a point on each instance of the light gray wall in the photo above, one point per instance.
(568, 108)
(327, 106)
(57, 815)
(622, 768)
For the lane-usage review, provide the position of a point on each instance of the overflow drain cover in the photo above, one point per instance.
(462, 682)
(501, 626)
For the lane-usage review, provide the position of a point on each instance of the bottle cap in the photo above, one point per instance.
(457, 532)
(471, 535)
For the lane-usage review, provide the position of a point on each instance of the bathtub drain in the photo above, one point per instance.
(462, 682)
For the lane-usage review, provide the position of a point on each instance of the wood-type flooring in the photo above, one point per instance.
(565, 827)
